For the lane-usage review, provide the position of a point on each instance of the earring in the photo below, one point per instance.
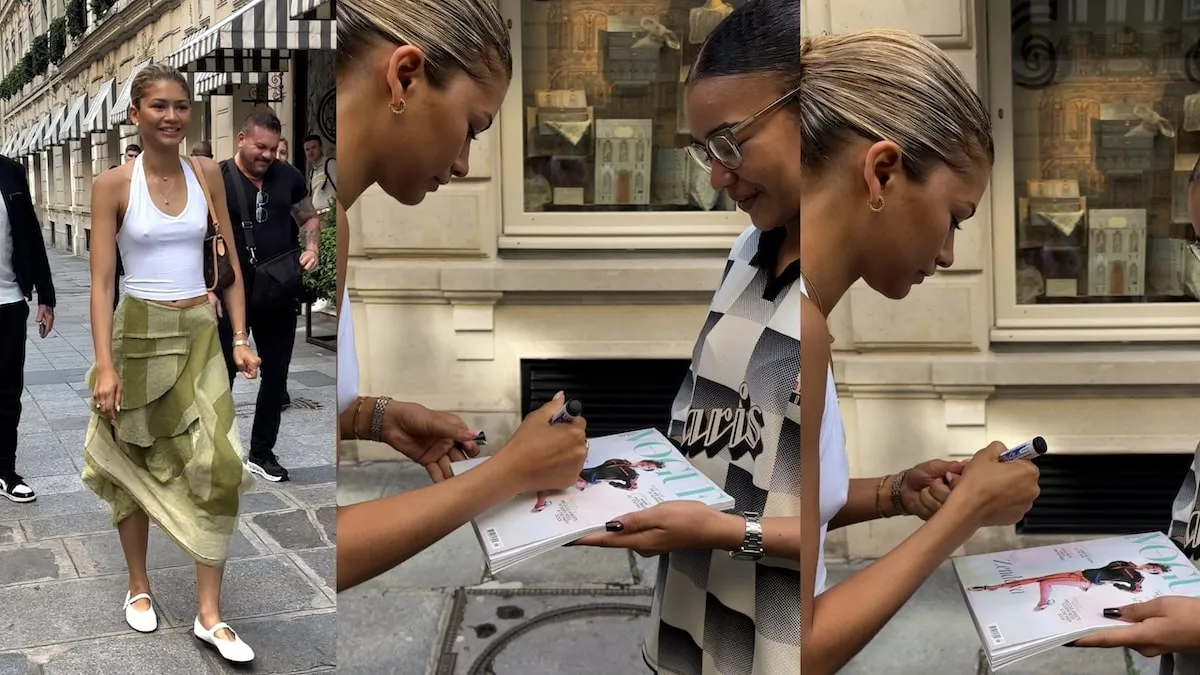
(876, 209)
(401, 109)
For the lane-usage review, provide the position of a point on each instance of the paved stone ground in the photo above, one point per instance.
(62, 574)
(438, 613)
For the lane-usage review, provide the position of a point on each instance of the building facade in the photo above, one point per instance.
(1070, 313)
(69, 66)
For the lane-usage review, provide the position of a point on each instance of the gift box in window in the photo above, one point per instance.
(1116, 260)
(1126, 136)
(558, 124)
(1052, 222)
(631, 53)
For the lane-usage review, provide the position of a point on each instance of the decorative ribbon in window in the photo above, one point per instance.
(1151, 123)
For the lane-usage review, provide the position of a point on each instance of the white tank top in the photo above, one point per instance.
(163, 255)
(835, 466)
(347, 357)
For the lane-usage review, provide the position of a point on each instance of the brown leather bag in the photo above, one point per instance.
(218, 269)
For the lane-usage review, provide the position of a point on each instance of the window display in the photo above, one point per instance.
(1106, 135)
(603, 87)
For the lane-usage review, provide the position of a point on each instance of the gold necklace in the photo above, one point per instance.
(166, 196)
(816, 297)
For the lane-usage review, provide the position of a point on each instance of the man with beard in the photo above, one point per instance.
(266, 201)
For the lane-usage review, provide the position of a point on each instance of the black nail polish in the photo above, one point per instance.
(614, 526)
(1070, 644)
(1112, 613)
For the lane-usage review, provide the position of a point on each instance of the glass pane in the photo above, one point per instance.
(1106, 132)
(604, 126)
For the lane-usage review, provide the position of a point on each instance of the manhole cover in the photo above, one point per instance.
(542, 631)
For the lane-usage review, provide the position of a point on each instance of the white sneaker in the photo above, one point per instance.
(142, 622)
(231, 650)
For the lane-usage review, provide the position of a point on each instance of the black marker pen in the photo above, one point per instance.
(570, 411)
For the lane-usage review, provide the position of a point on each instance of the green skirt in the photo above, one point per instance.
(174, 451)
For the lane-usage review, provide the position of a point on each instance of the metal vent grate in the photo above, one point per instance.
(618, 395)
(1105, 494)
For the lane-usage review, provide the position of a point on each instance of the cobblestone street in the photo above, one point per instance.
(62, 574)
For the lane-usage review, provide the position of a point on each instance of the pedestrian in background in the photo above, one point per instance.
(24, 269)
(266, 200)
(202, 149)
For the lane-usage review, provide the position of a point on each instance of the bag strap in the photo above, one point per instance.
(229, 168)
(213, 227)
(328, 180)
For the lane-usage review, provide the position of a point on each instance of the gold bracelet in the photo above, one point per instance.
(878, 490)
(239, 332)
(354, 422)
(241, 343)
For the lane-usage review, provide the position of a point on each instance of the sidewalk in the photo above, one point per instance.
(61, 567)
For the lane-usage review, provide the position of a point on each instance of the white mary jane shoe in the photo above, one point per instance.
(142, 622)
(231, 650)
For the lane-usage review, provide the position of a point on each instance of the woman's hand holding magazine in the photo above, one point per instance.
(1164, 625)
(671, 526)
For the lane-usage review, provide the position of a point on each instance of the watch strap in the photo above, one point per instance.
(752, 543)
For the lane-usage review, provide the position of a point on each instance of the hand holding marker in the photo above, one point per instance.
(1031, 449)
(570, 411)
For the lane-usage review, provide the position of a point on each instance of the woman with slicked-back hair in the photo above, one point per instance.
(162, 444)
(417, 82)
(895, 154)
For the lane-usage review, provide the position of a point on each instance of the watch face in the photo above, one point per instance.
(744, 555)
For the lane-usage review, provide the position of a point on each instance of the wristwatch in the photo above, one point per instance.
(752, 545)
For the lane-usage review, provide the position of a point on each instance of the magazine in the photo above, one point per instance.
(623, 473)
(1029, 601)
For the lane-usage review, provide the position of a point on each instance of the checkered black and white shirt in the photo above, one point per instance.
(1185, 529)
(738, 414)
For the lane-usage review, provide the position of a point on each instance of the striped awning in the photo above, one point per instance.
(96, 120)
(321, 9)
(72, 124)
(120, 110)
(256, 38)
(51, 132)
(10, 139)
(18, 146)
(222, 84)
(34, 142)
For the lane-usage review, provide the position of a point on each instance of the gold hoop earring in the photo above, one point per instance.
(400, 110)
(876, 209)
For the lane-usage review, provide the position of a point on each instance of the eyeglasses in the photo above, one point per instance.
(722, 145)
(260, 207)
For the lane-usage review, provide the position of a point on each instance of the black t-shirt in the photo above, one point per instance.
(284, 186)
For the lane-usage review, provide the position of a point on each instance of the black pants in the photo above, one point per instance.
(274, 338)
(14, 318)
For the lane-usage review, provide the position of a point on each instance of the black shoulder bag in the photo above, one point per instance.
(277, 280)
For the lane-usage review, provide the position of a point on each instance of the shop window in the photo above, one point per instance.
(1098, 135)
(594, 124)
